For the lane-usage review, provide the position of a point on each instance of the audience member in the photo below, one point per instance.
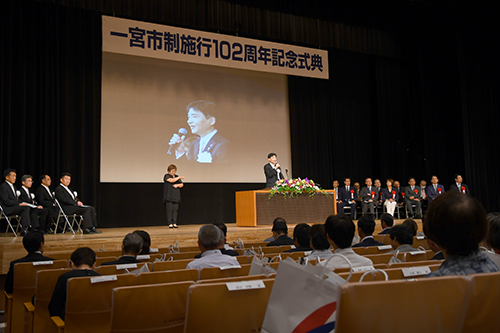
(82, 264)
(280, 231)
(146, 241)
(457, 224)
(435, 189)
(347, 197)
(276, 220)
(493, 238)
(225, 248)
(340, 232)
(301, 238)
(319, 243)
(34, 243)
(411, 225)
(131, 247)
(413, 197)
(366, 226)
(401, 239)
(390, 197)
(387, 221)
(9, 202)
(210, 240)
(438, 254)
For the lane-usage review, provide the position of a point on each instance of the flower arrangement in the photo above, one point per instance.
(293, 187)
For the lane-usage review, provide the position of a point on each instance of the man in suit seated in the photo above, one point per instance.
(399, 189)
(438, 254)
(459, 186)
(210, 239)
(301, 238)
(366, 226)
(413, 197)
(208, 146)
(319, 243)
(280, 231)
(34, 243)
(369, 197)
(401, 239)
(387, 221)
(38, 216)
(72, 205)
(82, 264)
(10, 203)
(131, 247)
(225, 248)
(336, 188)
(347, 197)
(340, 232)
(378, 185)
(435, 189)
(45, 198)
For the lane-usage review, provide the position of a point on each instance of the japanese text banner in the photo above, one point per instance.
(171, 43)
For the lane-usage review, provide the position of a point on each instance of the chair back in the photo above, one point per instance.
(168, 276)
(109, 253)
(482, 310)
(155, 308)
(100, 260)
(420, 242)
(183, 255)
(171, 265)
(217, 273)
(359, 250)
(235, 279)
(88, 305)
(380, 258)
(415, 263)
(206, 301)
(121, 269)
(376, 250)
(243, 259)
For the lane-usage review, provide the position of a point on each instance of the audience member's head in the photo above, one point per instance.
(83, 257)
(210, 237)
(34, 241)
(132, 244)
(366, 226)
(222, 226)
(400, 235)
(387, 220)
(456, 223)
(340, 231)
(302, 235)
(319, 241)
(493, 238)
(146, 241)
(279, 227)
(411, 225)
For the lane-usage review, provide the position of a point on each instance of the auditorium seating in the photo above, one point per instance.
(116, 269)
(168, 276)
(217, 273)
(376, 250)
(170, 265)
(392, 273)
(100, 260)
(237, 278)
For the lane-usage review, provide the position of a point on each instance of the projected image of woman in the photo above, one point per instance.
(172, 194)
(208, 146)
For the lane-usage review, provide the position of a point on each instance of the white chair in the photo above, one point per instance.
(9, 219)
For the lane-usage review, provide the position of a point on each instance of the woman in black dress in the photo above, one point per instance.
(172, 194)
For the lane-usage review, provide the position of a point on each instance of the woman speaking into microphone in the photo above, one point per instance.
(172, 194)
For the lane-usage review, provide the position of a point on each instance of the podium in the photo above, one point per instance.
(255, 208)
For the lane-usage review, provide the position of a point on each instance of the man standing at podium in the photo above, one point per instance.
(272, 170)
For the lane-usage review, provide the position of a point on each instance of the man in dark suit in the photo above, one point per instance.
(209, 146)
(366, 226)
(38, 216)
(434, 189)
(347, 197)
(45, 198)
(82, 264)
(301, 238)
(10, 203)
(280, 231)
(131, 247)
(413, 197)
(34, 243)
(387, 221)
(272, 170)
(369, 196)
(459, 186)
(71, 205)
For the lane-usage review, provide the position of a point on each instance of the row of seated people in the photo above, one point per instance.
(373, 197)
(38, 210)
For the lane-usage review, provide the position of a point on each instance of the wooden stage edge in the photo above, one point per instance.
(11, 248)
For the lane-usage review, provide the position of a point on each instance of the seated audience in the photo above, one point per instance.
(401, 239)
(493, 238)
(225, 248)
(319, 243)
(146, 241)
(280, 231)
(457, 224)
(131, 247)
(210, 239)
(390, 196)
(412, 226)
(387, 222)
(34, 243)
(82, 264)
(340, 231)
(438, 254)
(366, 226)
(301, 238)
(278, 219)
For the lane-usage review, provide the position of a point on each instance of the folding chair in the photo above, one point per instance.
(414, 206)
(9, 224)
(350, 210)
(75, 218)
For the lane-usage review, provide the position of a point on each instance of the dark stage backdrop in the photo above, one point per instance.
(406, 96)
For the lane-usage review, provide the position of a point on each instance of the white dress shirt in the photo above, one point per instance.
(355, 259)
(213, 258)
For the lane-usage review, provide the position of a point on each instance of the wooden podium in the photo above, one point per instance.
(255, 208)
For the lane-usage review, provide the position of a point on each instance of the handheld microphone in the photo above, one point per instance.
(287, 176)
(182, 131)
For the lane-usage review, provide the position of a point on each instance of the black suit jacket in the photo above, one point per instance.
(43, 197)
(281, 240)
(217, 147)
(366, 195)
(344, 195)
(271, 175)
(64, 198)
(438, 256)
(122, 261)
(368, 242)
(9, 280)
(455, 188)
(7, 197)
(23, 197)
(57, 305)
(299, 249)
(386, 231)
